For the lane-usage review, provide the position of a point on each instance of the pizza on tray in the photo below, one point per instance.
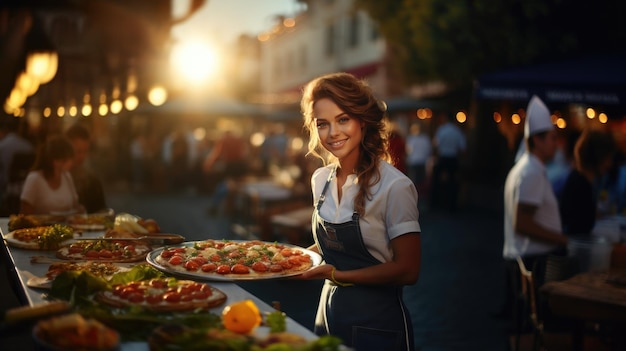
(40, 238)
(101, 269)
(236, 260)
(163, 294)
(104, 251)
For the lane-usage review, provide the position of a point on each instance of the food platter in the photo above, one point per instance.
(151, 258)
(89, 222)
(33, 245)
(45, 282)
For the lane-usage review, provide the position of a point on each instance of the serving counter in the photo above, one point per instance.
(23, 270)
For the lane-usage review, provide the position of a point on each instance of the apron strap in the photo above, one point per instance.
(320, 201)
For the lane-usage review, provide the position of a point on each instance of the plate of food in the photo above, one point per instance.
(41, 238)
(20, 221)
(90, 222)
(228, 260)
(74, 332)
(101, 269)
(163, 295)
(104, 250)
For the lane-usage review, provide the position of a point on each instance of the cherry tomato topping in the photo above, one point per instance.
(200, 260)
(199, 295)
(276, 268)
(285, 264)
(135, 297)
(294, 260)
(118, 289)
(259, 267)
(127, 291)
(172, 297)
(192, 265)
(240, 269)
(176, 260)
(167, 253)
(209, 267)
(184, 289)
(223, 269)
(157, 283)
(154, 298)
(75, 248)
(104, 253)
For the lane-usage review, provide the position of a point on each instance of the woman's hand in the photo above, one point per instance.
(319, 272)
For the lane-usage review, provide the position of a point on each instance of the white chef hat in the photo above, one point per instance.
(538, 118)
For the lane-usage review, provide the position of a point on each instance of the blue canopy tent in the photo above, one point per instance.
(593, 80)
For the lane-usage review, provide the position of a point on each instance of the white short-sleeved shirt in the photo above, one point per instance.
(527, 182)
(46, 200)
(420, 149)
(450, 140)
(391, 212)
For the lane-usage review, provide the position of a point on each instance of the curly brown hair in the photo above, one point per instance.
(56, 147)
(592, 148)
(354, 97)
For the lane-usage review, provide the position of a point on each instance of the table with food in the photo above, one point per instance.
(115, 282)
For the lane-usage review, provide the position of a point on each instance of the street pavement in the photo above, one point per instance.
(454, 305)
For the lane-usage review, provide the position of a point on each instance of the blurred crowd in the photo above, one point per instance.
(183, 160)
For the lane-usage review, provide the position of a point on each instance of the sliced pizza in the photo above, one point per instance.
(104, 251)
(101, 269)
(40, 238)
(163, 294)
(237, 260)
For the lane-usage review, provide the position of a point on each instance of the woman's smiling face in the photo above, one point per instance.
(338, 132)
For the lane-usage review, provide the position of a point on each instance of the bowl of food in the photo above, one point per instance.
(72, 332)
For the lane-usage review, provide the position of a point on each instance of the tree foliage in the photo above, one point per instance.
(457, 40)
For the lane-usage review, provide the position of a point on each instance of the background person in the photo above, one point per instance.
(419, 151)
(532, 222)
(593, 154)
(17, 155)
(365, 221)
(49, 188)
(88, 186)
(449, 143)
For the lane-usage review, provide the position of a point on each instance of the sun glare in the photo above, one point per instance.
(194, 62)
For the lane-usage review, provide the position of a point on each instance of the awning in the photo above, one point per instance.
(406, 103)
(598, 80)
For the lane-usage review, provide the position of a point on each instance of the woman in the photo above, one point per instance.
(49, 188)
(365, 222)
(578, 202)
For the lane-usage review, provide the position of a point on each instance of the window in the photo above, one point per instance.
(303, 58)
(330, 40)
(353, 35)
(374, 34)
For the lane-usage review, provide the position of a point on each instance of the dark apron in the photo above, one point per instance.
(365, 317)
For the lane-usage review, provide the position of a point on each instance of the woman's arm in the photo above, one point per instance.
(402, 270)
